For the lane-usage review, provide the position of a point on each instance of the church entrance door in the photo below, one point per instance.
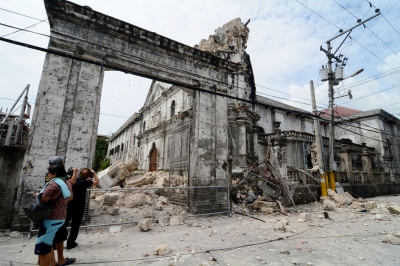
(153, 159)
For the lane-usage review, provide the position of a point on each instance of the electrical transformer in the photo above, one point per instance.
(324, 74)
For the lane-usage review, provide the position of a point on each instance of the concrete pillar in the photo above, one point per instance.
(242, 143)
(209, 140)
(367, 165)
(346, 162)
(64, 121)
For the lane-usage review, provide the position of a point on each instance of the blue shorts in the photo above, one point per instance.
(45, 237)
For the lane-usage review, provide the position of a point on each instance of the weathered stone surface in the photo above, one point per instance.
(137, 199)
(164, 220)
(176, 220)
(305, 217)
(139, 179)
(145, 224)
(162, 200)
(15, 234)
(396, 233)
(328, 205)
(162, 250)
(394, 209)
(132, 164)
(110, 198)
(266, 210)
(267, 204)
(113, 210)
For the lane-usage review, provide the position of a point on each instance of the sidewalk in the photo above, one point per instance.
(351, 238)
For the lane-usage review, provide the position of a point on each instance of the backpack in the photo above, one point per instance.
(37, 212)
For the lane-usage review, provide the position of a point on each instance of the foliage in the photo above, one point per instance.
(100, 161)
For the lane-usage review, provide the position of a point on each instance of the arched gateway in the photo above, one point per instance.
(153, 159)
(66, 115)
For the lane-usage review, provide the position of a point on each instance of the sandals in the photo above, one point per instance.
(68, 261)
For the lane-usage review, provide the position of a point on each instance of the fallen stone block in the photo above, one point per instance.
(162, 250)
(348, 195)
(145, 224)
(392, 239)
(135, 200)
(113, 210)
(176, 220)
(132, 164)
(139, 179)
(370, 205)
(382, 217)
(394, 209)
(115, 229)
(110, 198)
(305, 217)
(105, 181)
(328, 205)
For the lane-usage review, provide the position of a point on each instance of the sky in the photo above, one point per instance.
(284, 47)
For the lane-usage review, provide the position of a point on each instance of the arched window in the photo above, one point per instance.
(144, 126)
(134, 139)
(172, 109)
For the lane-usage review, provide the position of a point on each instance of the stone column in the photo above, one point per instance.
(64, 121)
(367, 165)
(209, 140)
(242, 143)
(346, 162)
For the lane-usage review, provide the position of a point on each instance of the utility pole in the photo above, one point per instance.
(333, 79)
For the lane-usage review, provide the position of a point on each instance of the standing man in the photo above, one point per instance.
(87, 178)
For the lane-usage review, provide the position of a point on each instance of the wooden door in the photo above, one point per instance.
(153, 160)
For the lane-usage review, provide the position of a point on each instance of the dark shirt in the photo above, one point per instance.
(79, 190)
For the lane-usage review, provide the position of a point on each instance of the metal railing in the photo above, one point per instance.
(105, 207)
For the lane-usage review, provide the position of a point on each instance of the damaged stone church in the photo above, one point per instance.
(159, 135)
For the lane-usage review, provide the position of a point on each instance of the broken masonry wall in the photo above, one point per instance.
(11, 159)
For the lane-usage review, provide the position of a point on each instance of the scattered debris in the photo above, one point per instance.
(382, 217)
(305, 217)
(176, 220)
(393, 208)
(328, 205)
(392, 239)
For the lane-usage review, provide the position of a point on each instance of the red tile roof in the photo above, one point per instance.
(339, 111)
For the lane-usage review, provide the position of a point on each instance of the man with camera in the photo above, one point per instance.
(76, 207)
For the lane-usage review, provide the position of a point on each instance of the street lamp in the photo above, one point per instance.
(336, 82)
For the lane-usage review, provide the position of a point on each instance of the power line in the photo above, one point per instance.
(19, 29)
(318, 14)
(19, 14)
(24, 29)
(370, 4)
(372, 94)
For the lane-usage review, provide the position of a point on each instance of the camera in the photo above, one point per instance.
(70, 171)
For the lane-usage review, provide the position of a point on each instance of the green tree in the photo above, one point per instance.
(100, 161)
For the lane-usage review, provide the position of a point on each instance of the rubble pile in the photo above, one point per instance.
(129, 205)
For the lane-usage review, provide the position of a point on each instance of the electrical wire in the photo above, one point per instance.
(19, 14)
(19, 29)
(24, 29)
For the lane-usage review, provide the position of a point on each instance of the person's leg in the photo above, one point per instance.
(75, 224)
(45, 260)
(53, 257)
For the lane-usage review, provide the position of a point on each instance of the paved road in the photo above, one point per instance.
(351, 238)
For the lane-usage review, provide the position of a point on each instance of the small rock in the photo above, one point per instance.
(328, 205)
(382, 217)
(280, 226)
(394, 209)
(392, 239)
(162, 250)
(285, 252)
(305, 217)
(113, 210)
(176, 220)
(295, 262)
(115, 229)
(145, 224)
(396, 233)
